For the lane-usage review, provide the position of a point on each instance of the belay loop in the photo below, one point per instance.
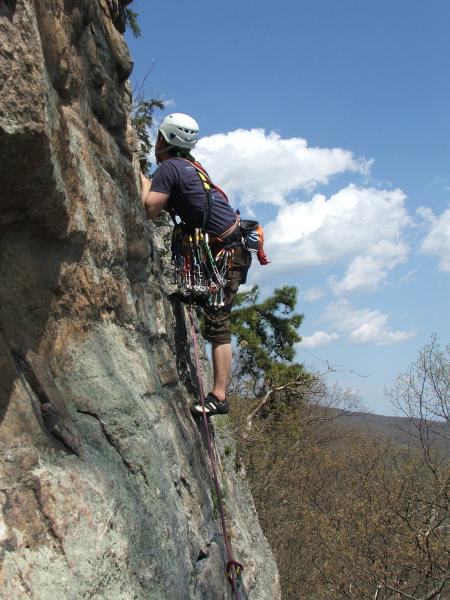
(199, 275)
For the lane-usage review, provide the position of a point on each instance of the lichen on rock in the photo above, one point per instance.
(105, 489)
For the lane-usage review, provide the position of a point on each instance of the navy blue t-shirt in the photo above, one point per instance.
(179, 178)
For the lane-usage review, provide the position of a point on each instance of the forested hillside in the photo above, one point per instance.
(355, 506)
(400, 429)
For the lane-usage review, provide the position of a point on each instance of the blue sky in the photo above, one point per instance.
(328, 121)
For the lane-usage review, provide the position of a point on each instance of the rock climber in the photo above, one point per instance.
(177, 188)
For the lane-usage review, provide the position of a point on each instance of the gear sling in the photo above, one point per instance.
(200, 276)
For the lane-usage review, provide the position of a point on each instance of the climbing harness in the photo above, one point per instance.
(233, 569)
(199, 274)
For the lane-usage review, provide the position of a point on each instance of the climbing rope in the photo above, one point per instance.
(232, 568)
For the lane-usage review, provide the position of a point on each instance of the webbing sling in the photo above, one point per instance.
(232, 567)
(205, 178)
(200, 274)
(208, 185)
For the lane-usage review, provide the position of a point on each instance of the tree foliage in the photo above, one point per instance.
(266, 334)
(423, 392)
(142, 118)
(375, 520)
(132, 22)
(351, 514)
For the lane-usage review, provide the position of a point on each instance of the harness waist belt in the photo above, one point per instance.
(222, 237)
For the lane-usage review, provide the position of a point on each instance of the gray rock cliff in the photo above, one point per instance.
(105, 486)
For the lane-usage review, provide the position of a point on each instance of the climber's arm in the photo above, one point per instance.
(154, 202)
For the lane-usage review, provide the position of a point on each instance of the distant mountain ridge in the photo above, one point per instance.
(399, 429)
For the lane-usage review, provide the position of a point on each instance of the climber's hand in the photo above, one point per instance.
(154, 202)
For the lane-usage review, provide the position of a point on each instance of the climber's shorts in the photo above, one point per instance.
(217, 320)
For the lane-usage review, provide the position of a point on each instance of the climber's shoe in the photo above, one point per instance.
(213, 406)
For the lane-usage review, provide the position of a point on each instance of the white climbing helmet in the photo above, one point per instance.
(179, 130)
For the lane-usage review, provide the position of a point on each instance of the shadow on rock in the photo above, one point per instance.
(30, 265)
(7, 8)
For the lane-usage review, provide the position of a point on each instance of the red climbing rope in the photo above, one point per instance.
(232, 567)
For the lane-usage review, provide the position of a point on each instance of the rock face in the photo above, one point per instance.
(105, 487)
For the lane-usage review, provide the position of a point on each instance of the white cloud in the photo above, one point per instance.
(363, 325)
(426, 213)
(313, 294)
(437, 242)
(319, 338)
(367, 272)
(410, 276)
(361, 225)
(254, 166)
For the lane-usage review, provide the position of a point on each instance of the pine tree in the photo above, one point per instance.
(131, 20)
(142, 120)
(266, 334)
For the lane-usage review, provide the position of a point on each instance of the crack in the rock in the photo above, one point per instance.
(47, 417)
(201, 556)
(111, 441)
(144, 476)
(187, 485)
(25, 585)
(36, 489)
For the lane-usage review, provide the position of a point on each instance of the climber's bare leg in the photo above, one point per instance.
(221, 358)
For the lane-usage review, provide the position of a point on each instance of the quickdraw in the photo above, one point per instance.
(200, 276)
(238, 568)
(198, 273)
